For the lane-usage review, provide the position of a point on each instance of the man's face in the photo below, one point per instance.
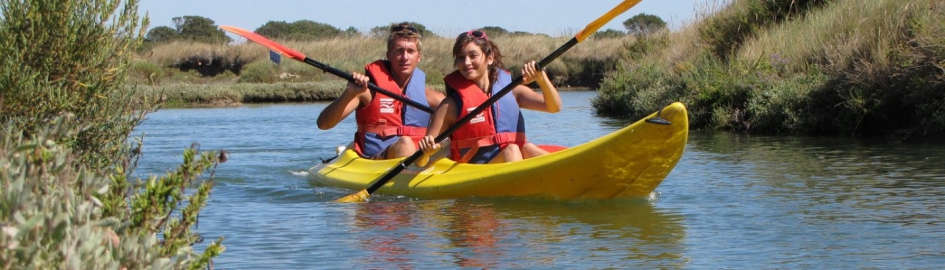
(404, 57)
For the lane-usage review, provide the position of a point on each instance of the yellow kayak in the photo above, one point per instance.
(630, 162)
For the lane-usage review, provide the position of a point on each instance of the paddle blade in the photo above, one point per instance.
(597, 24)
(360, 196)
(272, 45)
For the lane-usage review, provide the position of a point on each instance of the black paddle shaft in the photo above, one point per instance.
(372, 86)
(439, 138)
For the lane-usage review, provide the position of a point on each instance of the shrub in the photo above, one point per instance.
(59, 214)
(636, 91)
(50, 70)
(145, 72)
(259, 72)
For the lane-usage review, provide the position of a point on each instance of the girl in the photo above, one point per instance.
(498, 133)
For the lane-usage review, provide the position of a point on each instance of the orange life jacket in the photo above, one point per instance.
(500, 125)
(385, 119)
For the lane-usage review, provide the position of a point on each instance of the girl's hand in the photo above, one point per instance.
(428, 145)
(530, 73)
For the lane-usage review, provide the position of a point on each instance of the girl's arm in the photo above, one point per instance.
(547, 101)
(442, 118)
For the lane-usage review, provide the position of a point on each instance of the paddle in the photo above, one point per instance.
(278, 48)
(362, 195)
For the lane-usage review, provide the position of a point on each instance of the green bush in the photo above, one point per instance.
(785, 106)
(637, 91)
(258, 72)
(720, 91)
(60, 58)
(645, 44)
(146, 73)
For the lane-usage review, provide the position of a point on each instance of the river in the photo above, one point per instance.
(733, 201)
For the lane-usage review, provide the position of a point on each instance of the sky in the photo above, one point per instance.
(445, 18)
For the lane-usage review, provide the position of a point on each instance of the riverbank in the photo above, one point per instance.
(237, 94)
(847, 68)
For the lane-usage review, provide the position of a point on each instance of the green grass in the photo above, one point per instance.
(222, 94)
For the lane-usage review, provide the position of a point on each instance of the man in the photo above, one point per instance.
(387, 127)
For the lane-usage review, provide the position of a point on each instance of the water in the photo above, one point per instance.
(733, 201)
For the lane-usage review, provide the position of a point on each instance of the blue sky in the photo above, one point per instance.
(552, 17)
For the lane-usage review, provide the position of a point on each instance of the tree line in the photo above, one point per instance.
(204, 30)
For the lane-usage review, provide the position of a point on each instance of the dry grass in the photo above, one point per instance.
(351, 54)
(847, 30)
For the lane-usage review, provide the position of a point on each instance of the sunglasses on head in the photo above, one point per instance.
(476, 34)
(404, 27)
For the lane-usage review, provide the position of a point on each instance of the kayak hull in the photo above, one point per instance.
(630, 162)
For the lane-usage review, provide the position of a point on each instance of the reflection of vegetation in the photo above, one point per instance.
(853, 68)
(827, 178)
(65, 116)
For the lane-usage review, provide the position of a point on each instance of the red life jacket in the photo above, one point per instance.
(385, 119)
(502, 124)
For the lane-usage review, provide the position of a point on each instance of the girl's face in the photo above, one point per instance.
(473, 63)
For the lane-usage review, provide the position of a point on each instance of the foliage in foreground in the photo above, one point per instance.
(66, 115)
(57, 214)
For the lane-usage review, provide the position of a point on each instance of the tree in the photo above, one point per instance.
(609, 33)
(379, 31)
(643, 24)
(199, 29)
(302, 30)
(309, 30)
(524, 33)
(162, 34)
(275, 30)
(352, 32)
(384, 30)
(494, 31)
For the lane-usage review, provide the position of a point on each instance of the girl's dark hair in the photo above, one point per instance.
(488, 48)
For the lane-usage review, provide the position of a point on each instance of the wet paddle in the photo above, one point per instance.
(278, 48)
(363, 195)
